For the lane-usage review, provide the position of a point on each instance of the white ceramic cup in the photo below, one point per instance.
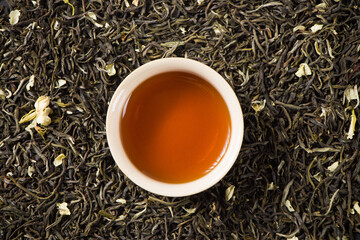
(113, 119)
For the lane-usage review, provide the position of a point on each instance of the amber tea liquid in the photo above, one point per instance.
(175, 127)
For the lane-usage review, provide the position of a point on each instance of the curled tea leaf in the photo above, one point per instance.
(299, 28)
(190, 210)
(30, 83)
(92, 17)
(137, 215)
(351, 131)
(120, 218)
(258, 105)
(59, 160)
(318, 176)
(229, 192)
(303, 70)
(72, 6)
(61, 104)
(329, 49)
(172, 44)
(14, 17)
(317, 49)
(63, 209)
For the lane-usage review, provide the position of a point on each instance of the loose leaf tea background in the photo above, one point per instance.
(297, 175)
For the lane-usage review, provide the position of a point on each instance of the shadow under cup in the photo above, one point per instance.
(174, 127)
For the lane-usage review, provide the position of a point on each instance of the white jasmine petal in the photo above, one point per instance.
(14, 17)
(303, 70)
(316, 27)
(63, 209)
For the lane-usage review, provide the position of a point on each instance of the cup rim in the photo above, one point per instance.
(113, 119)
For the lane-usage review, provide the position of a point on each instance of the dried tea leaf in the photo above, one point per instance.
(351, 132)
(14, 17)
(258, 105)
(289, 207)
(121, 201)
(59, 160)
(200, 1)
(61, 104)
(189, 210)
(172, 44)
(333, 166)
(63, 209)
(229, 192)
(329, 49)
(30, 171)
(28, 117)
(316, 27)
(318, 176)
(30, 83)
(137, 215)
(219, 29)
(120, 218)
(72, 6)
(92, 17)
(106, 214)
(299, 28)
(110, 69)
(317, 49)
(303, 70)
